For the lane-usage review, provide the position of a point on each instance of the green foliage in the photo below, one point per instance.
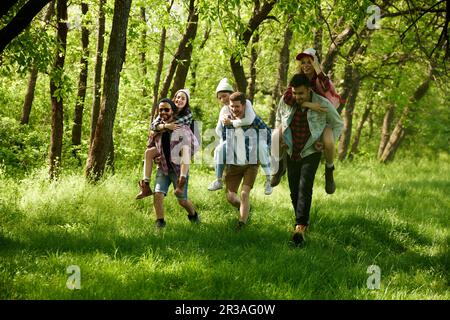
(21, 148)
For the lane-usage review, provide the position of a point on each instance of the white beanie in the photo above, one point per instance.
(186, 92)
(224, 86)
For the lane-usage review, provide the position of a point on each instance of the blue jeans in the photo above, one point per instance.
(162, 183)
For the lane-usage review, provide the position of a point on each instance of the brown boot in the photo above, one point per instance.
(179, 190)
(145, 190)
(330, 186)
(276, 178)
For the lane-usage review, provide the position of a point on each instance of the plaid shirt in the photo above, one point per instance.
(251, 140)
(300, 131)
(184, 120)
(180, 137)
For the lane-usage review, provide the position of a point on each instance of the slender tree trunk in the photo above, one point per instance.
(183, 64)
(364, 118)
(344, 140)
(330, 58)
(254, 57)
(399, 130)
(102, 144)
(182, 55)
(82, 82)
(283, 67)
(386, 129)
(260, 13)
(29, 97)
(98, 69)
(142, 53)
(162, 45)
(195, 62)
(318, 32)
(358, 132)
(55, 84)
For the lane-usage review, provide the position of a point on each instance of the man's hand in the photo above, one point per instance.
(314, 106)
(318, 145)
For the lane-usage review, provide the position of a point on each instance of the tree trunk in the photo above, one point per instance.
(162, 45)
(399, 130)
(98, 69)
(142, 53)
(55, 84)
(102, 145)
(283, 67)
(366, 114)
(29, 97)
(358, 132)
(386, 129)
(260, 13)
(183, 64)
(20, 21)
(182, 54)
(82, 82)
(330, 58)
(6, 5)
(344, 140)
(318, 32)
(254, 57)
(195, 62)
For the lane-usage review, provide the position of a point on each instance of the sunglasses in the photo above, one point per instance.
(164, 110)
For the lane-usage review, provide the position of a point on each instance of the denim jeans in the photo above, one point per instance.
(301, 174)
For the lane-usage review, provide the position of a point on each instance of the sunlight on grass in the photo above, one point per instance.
(392, 216)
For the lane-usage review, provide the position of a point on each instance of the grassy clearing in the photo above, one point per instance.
(394, 216)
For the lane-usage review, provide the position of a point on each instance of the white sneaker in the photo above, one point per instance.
(216, 185)
(267, 188)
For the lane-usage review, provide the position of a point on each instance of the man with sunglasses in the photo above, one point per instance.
(168, 145)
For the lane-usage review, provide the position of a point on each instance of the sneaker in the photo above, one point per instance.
(160, 223)
(268, 187)
(330, 187)
(194, 219)
(179, 190)
(145, 190)
(240, 225)
(298, 238)
(216, 185)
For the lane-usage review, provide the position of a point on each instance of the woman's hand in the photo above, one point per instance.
(314, 106)
(226, 121)
(171, 126)
(316, 66)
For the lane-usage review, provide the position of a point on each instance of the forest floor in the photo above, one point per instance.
(395, 217)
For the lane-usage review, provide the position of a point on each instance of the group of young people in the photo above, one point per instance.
(307, 125)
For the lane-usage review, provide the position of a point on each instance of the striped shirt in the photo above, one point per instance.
(300, 131)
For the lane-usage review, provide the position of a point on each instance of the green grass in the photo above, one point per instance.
(394, 216)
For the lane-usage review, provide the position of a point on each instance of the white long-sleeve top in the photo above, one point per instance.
(248, 119)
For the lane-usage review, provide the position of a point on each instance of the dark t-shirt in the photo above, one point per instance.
(165, 142)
